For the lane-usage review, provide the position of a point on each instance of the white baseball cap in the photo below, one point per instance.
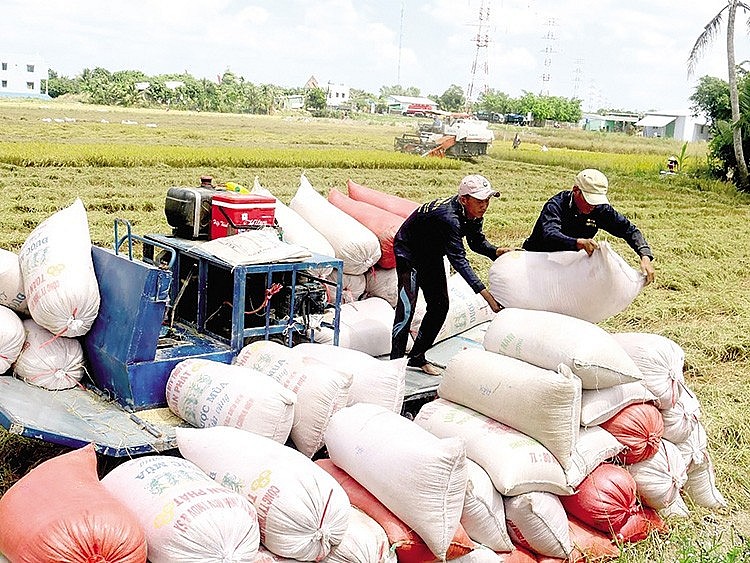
(593, 185)
(477, 187)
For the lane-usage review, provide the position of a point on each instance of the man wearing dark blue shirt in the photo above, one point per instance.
(570, 219)
(434, 230)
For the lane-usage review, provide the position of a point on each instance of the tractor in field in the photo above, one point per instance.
(456, 137)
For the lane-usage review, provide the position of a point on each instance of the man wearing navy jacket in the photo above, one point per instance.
(570, 219)
(434, 230)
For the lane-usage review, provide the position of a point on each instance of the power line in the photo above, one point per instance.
(549, 49)
(577, 74)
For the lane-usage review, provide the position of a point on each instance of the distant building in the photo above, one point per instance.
(23, 76)
(613, 123)
(337, 95)
(292, 101)
(680, 125)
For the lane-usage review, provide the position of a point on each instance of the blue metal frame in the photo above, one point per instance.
(240, 275)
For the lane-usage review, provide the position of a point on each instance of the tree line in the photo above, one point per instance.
(233, 94)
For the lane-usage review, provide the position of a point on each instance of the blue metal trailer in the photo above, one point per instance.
(140, 335)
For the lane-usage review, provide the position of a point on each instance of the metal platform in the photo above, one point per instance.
(422, 388)
(77, 417)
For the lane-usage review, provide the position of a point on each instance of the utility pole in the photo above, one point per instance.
(480, 66)
(400, 35)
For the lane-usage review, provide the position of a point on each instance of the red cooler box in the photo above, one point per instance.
(232, 212)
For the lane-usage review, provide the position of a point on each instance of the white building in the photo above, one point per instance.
(680, 125)
(337, 95)
(23, 75)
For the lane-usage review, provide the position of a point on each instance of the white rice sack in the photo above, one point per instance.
(466, 309)
(680, 420)
(364, 325)
(356, 245)
(266, 356)
(254, 247)
(296, 230)
(660, 360)
(383, 283)
(58, 274)
(480, 554)
(659, 478)
(208, 393)
(548, 339)
(694, 448)
(594, 446)
(11, 282)
(49, 362)
(538, 520)
(302, 511)
(321, 390)
(187, 517)
(365, 541)
(483, 516)
(599, 405)
(700, 486)
(592, 288)
(515, 462)
(541, 403)
(265, 556)
(12, 337)
(353, 287)
(677, 509)
(417, 476)
(381, 382)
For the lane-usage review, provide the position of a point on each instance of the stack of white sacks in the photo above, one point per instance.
(358, 228)
(257, 424)
(49, 296)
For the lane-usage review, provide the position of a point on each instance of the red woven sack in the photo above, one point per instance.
(518, 555)
(408, 545)
(604, 500)
(399, 205)
(60, 511)
(641, 524)
(639, 428)
(588, 545)
(381, 222)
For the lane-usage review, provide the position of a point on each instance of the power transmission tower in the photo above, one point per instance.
(480, 68)
(549, 50)
(577, 74)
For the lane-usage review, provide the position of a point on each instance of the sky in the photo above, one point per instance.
(627, 55)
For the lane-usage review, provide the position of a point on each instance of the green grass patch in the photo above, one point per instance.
(29, 154)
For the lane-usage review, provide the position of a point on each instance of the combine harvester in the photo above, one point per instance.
(460, 137)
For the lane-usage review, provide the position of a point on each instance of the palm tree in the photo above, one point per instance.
(709, 32)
